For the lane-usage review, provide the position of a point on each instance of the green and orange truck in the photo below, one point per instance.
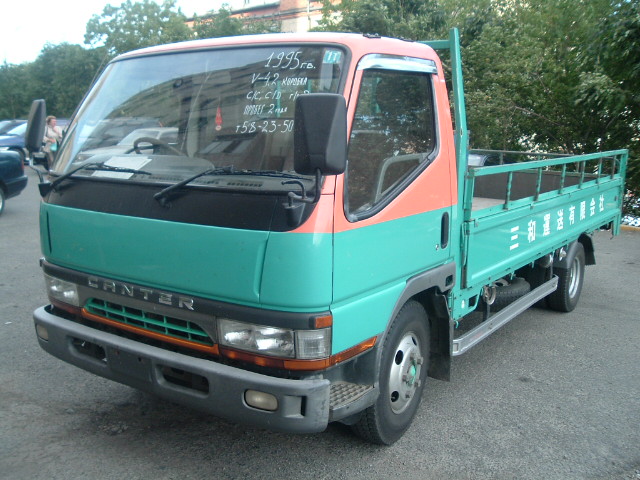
(285, 230)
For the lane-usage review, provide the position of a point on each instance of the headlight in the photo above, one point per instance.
(4, 149)
(257, 338)
(273, 341)
(65, 292)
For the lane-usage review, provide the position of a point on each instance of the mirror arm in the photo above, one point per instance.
(40, 173)
(295, 205)
(303, 198)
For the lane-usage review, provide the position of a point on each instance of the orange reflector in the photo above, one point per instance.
(353, 351)
(66, 307)
(323, 322)
(252, 358)
(300, 365)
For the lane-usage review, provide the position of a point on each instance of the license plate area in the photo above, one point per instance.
(129, 364)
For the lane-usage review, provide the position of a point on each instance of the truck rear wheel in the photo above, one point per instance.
(570, 281)
(403, 371)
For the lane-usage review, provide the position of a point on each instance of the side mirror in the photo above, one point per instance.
(320, 134)
(35, 126)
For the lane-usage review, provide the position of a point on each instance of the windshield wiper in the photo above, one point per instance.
(268, 173)
(46, 187)
(162, 195)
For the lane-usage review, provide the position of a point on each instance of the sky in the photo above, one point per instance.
(27, 25)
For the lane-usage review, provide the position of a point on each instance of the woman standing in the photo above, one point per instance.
(52, 136)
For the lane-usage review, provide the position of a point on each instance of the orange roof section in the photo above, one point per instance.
(358, 44)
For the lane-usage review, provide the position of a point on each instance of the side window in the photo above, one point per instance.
(392, 136)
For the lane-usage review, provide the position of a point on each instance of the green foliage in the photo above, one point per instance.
(410, 19)
(13, 95)
(223, 24)
(63, 73)
(611, 86)
(136, 25)
(557, 75)
(220, 25)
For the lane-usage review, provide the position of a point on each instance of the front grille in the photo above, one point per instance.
(152, 322)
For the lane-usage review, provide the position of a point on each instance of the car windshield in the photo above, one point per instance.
(19, 130)
(175, 115)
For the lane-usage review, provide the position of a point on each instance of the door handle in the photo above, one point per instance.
(444, 230)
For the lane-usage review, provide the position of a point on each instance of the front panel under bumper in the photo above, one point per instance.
(303, 405)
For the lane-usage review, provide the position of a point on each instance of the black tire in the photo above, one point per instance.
(403, 372)
(570, 281)
(507, 294)
(2, 200)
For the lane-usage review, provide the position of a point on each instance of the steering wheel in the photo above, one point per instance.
(155, 142)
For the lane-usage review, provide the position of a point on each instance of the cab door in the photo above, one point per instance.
(393, 221)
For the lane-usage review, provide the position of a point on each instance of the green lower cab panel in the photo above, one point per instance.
(371, 268)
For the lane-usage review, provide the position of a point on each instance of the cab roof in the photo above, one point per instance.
(358, 43)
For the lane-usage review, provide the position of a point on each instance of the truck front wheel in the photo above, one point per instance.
(570, 281)
(403, 371)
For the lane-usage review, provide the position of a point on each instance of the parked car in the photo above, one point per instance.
(12, 177)
(13, 141)
(6, 125)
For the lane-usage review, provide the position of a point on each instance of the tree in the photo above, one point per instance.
(137, 25)
(62, 74)
(524, 71)
(224, 24)
(558, 75)
(410, 19)
(610, 85)
(14, 91)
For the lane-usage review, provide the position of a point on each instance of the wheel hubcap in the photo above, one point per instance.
(574, 280)
(404, 377)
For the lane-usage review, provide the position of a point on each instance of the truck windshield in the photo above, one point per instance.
(174, 115)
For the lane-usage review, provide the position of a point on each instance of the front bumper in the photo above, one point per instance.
(303, 405)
